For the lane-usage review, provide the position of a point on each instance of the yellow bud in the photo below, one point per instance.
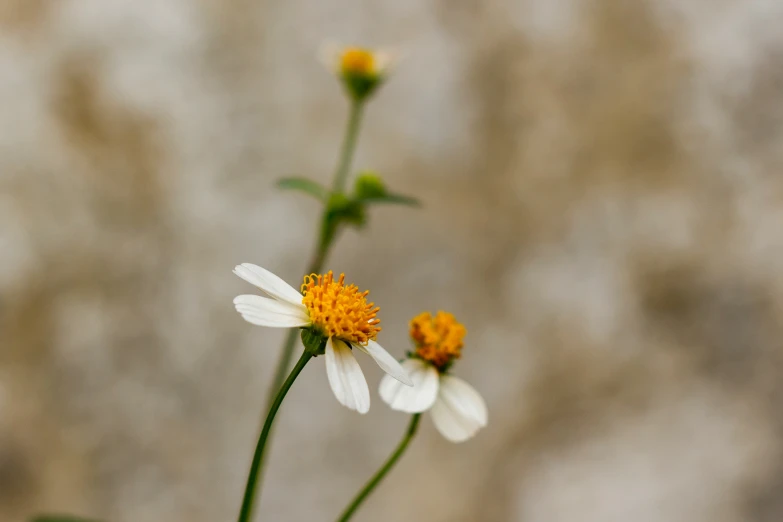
(357, 61)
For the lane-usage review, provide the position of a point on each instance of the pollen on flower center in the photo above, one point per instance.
(338, 310)
(438, 339)
(357, 61)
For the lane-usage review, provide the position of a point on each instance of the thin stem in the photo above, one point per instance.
(376, 479)
(247, 501)
(349, 145)
(288, 346)
(287, 353)
(324, 244)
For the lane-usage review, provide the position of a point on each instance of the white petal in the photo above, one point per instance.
(387, 363)
(420, 397)
(385, 60)
(268, 312)
(459, 411)
(329, 55)
(269, 283)
(346, 377)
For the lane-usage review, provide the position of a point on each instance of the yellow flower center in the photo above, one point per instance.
(438, 339)
(357, 61)
(340, 311)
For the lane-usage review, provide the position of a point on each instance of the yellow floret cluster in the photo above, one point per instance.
(340, 311)
(438, 339)
(358, 62)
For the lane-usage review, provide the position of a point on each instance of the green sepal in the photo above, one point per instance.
(313, 341)
(446, 367)
(361, 86)
(305, 185)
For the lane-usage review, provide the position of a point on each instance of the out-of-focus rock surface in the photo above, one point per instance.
(603, 208)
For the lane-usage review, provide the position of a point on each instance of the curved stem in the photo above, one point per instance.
(324, 244)
(376, 479)
(288, 346)
(287, 352)
(349, 145)
(247, 501)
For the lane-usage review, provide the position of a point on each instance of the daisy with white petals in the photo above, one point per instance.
(337, 312)
(457, 409)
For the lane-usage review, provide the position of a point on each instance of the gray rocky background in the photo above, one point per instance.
(603, 209)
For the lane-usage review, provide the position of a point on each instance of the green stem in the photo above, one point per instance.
(287, 353)
(325, 241)
(288, 346)
(349, 145)
(258, 457)
(376, 479)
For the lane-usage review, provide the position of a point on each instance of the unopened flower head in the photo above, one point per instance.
(361, 70)
(457, 409)
(358, 61)
(338, 313)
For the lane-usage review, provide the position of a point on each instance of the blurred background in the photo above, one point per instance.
(603, 210)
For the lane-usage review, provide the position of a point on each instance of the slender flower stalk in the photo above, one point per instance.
(323, 247)
(246, 511)
(325, 239)
(381, 473)
(287, 353)
(349, 145)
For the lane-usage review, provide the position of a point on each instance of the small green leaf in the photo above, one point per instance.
(305, 185)
(60, 518)
(392, 199)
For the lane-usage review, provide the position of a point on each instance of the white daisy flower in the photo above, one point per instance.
(338, 312)
(457, 409)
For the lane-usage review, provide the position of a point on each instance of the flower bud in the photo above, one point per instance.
(369, 185)
(361, 70)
